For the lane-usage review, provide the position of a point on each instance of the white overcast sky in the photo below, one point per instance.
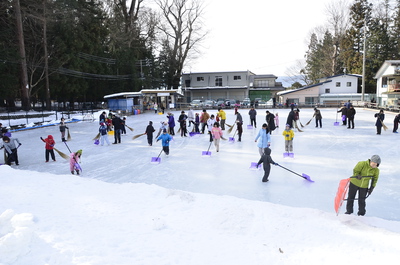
(265, 37)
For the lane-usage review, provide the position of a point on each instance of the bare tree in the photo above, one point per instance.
(338, 23)
(182, 30)
(295, 73)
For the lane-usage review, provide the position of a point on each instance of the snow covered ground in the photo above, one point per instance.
(194, 209)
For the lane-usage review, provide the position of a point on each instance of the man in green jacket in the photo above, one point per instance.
(363, 173)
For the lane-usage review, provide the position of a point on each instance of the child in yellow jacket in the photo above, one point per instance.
(289, 135)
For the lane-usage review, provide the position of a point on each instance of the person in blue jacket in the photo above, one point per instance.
(165, 139)
(265, 139)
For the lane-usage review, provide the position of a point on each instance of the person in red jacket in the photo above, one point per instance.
(49, 147)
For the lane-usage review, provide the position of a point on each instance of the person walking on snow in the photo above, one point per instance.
(222, 115)
(351, 112)
(49, 147)
(210, 125)
(265, 139)
(74, 161)
(266, 160)
(103, 134)
(165, 139)
(396, 123)
(253, 115)
(270, 119)
(239, 124)
(118, 125)
(197, 123)
(63, 126)
(318, 118)
(379, 121)
(164, 125)
(171, 123)
(190, 116)
(343, 110)
(277, 120)
(203, 120)
(149, 132)
(182, 122)
(216, 134)
(365, 177)
(289, 135)
(11, 150)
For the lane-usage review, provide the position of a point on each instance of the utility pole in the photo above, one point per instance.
(364, 52)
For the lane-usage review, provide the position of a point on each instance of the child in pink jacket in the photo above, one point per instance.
(73, 162)
(217, 134)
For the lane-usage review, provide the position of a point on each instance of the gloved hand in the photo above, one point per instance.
(276, 164)
(20, 144)
(158, 140)
(359, 177)
(370, 190)
(41, 137)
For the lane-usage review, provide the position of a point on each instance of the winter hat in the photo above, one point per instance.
(102, 123)
(79, 151)
(287, 125)
(50, 136)
(376, 159)
(165, 130)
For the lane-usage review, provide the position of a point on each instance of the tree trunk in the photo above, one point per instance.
(46, 58)
(24, 70)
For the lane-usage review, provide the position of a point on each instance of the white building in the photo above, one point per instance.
(388, 85)
(333, 90)
(235, 85)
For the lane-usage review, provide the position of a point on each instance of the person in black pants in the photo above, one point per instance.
(396, 123)
(118, 124)
(379, 121)
(351, 112)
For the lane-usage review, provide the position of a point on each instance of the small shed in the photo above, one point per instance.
(124, 101)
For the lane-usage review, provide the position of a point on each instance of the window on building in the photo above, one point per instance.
(348, 84)
(384, 81)
(261, 83)
(237, 77)
(200, 78)
(327, 90)
(187, 83)
(337, 84)
(218, 81)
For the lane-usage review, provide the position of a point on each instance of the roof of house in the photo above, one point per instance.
(385, 66)
(302, 88)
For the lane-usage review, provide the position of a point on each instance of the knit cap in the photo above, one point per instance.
(376, 159)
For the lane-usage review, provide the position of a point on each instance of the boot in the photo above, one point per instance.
(63, 139)
(77, 172)
(72, 172)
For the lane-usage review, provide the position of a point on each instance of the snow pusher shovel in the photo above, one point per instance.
(96, 142)
(287, 154)
(207, 153)
(342, 191)
(249, 127)
(156, 160)
(304, 176)
(253, 166)
(232, 139)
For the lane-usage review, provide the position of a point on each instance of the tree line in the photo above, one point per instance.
(73, 50)
(352, 30)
